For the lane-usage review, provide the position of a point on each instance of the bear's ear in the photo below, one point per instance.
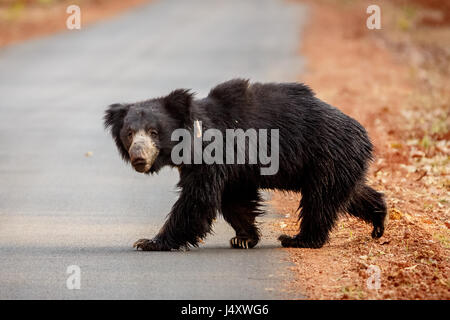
(114, 114)
(113, 119)
(178, 103)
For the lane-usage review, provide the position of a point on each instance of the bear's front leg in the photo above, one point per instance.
(191, 216)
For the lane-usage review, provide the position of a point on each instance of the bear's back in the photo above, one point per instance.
(258, 101)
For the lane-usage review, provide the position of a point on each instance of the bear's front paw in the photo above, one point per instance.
(150, 245)
(243, 243)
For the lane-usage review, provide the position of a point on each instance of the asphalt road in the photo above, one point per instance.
(59, 207)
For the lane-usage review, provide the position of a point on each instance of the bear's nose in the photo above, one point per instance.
(137, 153)
(138, 161)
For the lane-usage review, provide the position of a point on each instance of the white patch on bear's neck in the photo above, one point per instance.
(199, 129)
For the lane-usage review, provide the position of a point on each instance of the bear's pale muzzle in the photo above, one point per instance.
(143, 152)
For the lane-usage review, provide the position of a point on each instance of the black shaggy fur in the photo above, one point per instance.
(324, 154)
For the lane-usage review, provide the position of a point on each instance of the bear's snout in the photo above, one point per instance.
(140, 164)
(143, 152)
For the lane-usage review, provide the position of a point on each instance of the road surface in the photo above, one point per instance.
(59, 207)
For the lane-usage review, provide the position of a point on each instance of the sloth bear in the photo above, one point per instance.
(321, 152)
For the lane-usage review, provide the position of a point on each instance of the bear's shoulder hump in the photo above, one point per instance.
(232, 92)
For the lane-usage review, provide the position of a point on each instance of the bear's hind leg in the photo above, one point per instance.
(318, 218)
(369, 205)
(239, 209)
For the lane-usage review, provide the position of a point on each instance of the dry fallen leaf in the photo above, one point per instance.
(395, 214)
(411, 268)
(396, 145)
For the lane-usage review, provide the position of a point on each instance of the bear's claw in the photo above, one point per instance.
(378, 228)
(377, 232)
(242, 243)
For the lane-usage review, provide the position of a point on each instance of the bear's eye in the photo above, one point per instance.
(153, 133)
(130, 134)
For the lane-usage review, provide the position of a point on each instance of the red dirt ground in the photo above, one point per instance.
(21, 20)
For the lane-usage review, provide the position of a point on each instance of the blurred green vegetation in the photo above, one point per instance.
(407, 17)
